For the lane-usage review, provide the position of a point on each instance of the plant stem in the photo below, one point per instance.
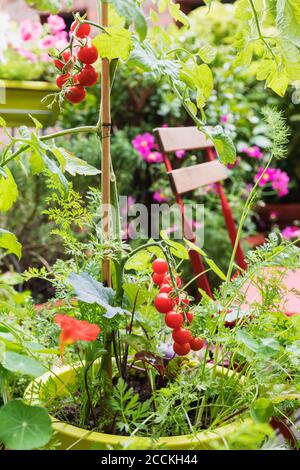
(246, 209)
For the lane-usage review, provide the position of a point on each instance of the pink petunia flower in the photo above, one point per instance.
(30, 30)
(48, 42)
(224, 118)
(153, 157)
(291, 232)
(253, 152)
(28, 55)
(279, 180)
(180, 153)
(143, 143)
(56, 23)
(159, 196)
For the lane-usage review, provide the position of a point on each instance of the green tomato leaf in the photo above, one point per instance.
(48, 5)
(215, 268)
(114, 45)
(72, 164)
(177, 14)
(8, 191)
(261, 410)
(10, 243)
(129, 10)
(24, 427)
(176, 248)
(207, 53)
(224, 146)
(139, 262)
(137, 295)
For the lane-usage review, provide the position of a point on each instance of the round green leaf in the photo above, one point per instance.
(22, 364)
(24, 427)
(262, 410)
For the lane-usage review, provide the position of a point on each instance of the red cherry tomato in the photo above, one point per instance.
(160, 266)
(173, 319)
(157, 278)
(75, 94)
(88, 76)
(165, 288)
(182, 336)
(83, 31)
(181, 349)
(196, 344)
(163, 303)
(60, 64)
(167, 280)
(190, 317)
(62, 79)
(88, 54)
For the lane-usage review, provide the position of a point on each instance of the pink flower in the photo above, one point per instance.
(274, 215)
(291, 232)
(165, 125)
(230, 166)
(267, 177)
(180, 153)
(28, 55)
(171, 229)
(159, 196)
(45, 57)
(30, 31)
(153, 157)
(224, 118)
(143, 143)
(56, 23)
(48, 42)
(253, 152)
(125, 207)
(280, 182)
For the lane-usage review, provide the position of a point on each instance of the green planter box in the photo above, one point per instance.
(21, 98)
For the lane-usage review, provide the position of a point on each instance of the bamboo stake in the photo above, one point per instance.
(105, 135)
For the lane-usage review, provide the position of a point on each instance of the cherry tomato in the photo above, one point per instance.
(196, 344)
(88, 76)
(163, 303)
(165, 288)
(168, 280)
(182, 336)
(60, 64)
(160, 266)
(190, 317)
(75, 94)
(62, 79)
(157, 278)
(173, 319)
(88, 54)
(83, 31)
(181, 349)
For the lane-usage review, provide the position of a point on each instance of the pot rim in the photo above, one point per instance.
(32, 396)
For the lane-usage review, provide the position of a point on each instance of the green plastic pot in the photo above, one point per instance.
(53, 384)
(18, 99)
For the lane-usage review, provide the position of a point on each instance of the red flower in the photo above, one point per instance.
(73, 330)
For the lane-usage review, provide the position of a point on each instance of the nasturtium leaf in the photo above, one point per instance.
(9, 242)
(261, 410)
(22, 364)
(90, 291)
(129, 10)
(24, 427)
(8, 191)
(114, 45)
(224, 146)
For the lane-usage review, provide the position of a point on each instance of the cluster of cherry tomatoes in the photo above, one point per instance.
(176, 309)
(77, 72)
